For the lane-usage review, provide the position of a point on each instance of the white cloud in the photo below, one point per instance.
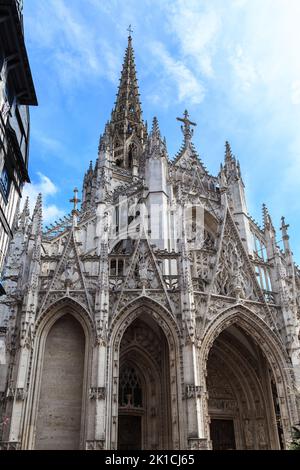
(189, 88)
(51, 213)
(73, 44)
(196, 26)
(47, 188)
(244, 70)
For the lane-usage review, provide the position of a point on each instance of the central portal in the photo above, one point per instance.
(144, 388)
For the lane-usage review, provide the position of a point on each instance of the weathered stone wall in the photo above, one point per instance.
(59, 415)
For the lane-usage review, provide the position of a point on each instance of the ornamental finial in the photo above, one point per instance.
(186, 128)
(75, 200)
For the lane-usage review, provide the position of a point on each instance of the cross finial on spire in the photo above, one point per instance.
(284, 226)
(186, 128)
(129, 30)
(75, 200)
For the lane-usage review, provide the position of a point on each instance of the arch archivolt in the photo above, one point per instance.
(119, 325)
(77, 309)
(157, 311)
(248, 404)
(45, 322)
(268, 343)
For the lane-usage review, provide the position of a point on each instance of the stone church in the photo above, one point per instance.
(157, 314)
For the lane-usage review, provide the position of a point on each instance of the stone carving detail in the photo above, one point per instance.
(144, 273)
(143, 338)
(97, 393)
(198, 444)
(223, 404)
(216, 306)
(218, 387)
(261, 434)
(18, 393)
(248, 431)
(95, 445)
(68, 279)
(193, 391)
(234, 276)
(10, 445)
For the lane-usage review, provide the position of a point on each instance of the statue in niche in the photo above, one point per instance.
(248, 433)
(261, 436)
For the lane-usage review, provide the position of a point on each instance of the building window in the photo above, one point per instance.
(130, 389)
(116, 267)
(113, 267)
(5, 182)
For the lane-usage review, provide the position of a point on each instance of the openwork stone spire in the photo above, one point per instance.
(127, 128)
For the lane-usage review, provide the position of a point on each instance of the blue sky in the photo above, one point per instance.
(234, 64)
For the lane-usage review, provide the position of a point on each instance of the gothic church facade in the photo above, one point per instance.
(158, 315)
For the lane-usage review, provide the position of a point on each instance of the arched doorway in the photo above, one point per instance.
(61, 387)
(241, 396)
(144, 387)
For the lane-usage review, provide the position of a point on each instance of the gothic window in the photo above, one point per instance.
(259, 248)
(119, 162)
(113, 267)
(194, 227)
(130, 389)
(117, 267)
(120, 266)
(194, 223)
(129, 129)
(264, 281)
(131, 154)
(117, 219)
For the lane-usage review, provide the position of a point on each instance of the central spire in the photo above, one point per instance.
(127, 128)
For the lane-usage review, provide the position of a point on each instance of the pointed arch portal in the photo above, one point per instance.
(243, 402)
(59, 410)
(144, 387)
(145, 402)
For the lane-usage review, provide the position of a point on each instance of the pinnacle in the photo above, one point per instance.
(267, 221)
(38, 205)
(228, 152)
(26, 211)
(37, 215)
(155, 127)
(265, 210)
